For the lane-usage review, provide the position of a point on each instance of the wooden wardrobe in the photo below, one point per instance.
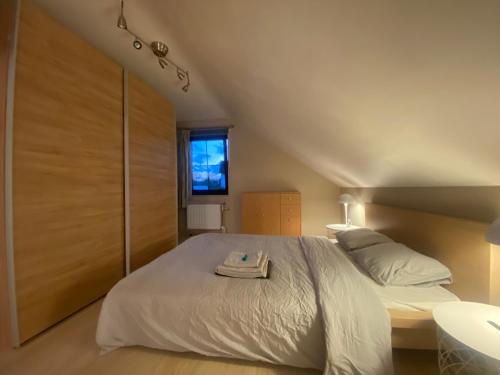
(274, 213)
(93, 180)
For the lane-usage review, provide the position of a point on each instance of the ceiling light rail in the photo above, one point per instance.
(159, 49)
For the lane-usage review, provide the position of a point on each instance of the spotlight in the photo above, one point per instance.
(122, 22)
(185, 88)
(137, 44)
(181, 74)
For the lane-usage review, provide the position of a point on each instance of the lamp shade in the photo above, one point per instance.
(493, 233)
(346, 199)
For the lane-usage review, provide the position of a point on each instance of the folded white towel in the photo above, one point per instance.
(247, 272)
(240, 259)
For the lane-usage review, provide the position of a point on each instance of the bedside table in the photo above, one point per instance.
(332, 229)
(467, 343)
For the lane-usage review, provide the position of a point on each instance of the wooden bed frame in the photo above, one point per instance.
(457, 243)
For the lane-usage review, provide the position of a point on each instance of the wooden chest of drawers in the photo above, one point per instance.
(275, 213)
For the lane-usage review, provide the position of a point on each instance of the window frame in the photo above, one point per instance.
(211, 137)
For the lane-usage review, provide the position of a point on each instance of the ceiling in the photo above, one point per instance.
(367, 93)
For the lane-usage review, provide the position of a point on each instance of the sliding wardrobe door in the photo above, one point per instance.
(153, 181)
(6, 22)
(68, 184)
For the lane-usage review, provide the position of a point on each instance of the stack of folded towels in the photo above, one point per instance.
(245, 265)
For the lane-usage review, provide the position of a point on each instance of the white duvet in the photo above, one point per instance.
(314, 311)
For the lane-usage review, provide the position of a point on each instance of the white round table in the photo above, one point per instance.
(468, 343)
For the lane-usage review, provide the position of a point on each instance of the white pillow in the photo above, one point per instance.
(360, 238)
(395, 264)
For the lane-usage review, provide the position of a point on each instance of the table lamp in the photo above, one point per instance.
(346, 200)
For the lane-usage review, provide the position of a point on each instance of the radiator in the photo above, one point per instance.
(204, 216)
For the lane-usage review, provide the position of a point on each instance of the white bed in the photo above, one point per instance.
(304, 315)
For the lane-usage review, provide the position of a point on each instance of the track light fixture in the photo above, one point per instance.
(159, 49)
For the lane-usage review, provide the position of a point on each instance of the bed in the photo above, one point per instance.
(301, 316)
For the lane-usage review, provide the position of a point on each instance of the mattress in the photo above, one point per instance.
(412, 298)
(409, 298)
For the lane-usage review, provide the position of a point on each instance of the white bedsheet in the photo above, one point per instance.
(177, 303)
(412, 298)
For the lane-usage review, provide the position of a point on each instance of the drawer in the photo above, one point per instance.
(290, 226)
(290, 210)
(290, 198)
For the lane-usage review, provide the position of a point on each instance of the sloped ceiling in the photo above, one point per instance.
(368, 93)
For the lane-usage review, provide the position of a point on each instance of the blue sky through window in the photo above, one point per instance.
(208, 161)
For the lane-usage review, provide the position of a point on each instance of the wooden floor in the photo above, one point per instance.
(69, 348)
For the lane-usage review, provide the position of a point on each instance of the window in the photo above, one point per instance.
(209, 167)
